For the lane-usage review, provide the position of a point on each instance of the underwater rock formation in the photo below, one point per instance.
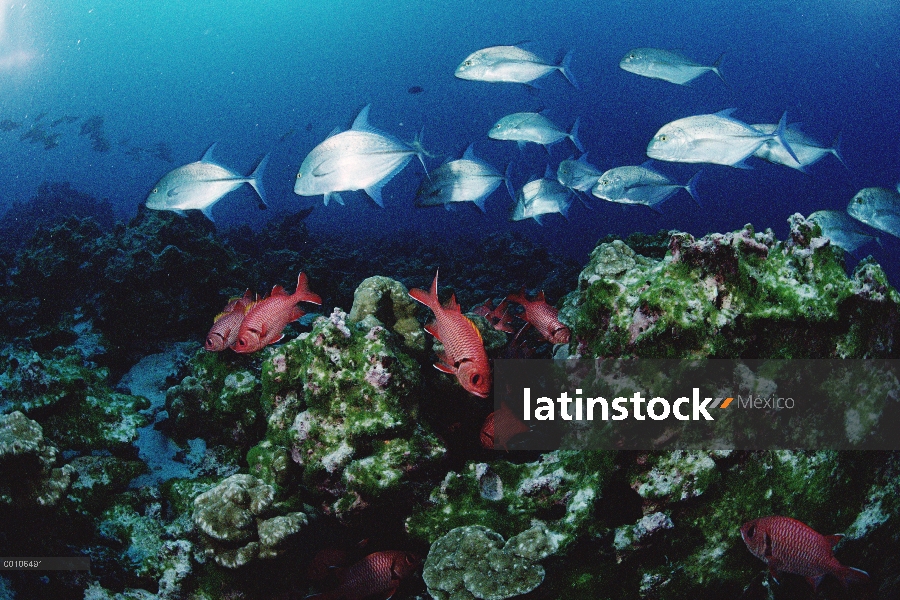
(389, 302)
(474, 562)
(558, 492)
(342, 401)
(73, 401)
(27, 473)
(740, 294)
(230, 518)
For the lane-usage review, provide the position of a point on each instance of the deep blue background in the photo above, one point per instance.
(246, 73)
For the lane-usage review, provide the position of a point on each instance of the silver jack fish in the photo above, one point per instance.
(541, 197)
(510, 64)
(808, 150)
(579, 175)
(199, 185)
(641, 185)
(715, 138)
(532, 127)
(362, 158)
(666, 65)
(464, 180)
(877, 207)
(843, 231)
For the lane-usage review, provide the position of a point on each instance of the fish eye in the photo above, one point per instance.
(155, 190)
(751, 531)
(631, 56)
(662, 138)
(468, 63)
(476, 378)
(299, 175)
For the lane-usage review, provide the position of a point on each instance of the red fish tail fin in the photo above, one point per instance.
(304, 293)
(430, 298)
(849, 575)
(519, 298)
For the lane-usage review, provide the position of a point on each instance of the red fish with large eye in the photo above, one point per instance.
(378, 575)
(543, 317)
(789, 546)
(464, 354)
(499, 427)
(264, 322)
(224, 332)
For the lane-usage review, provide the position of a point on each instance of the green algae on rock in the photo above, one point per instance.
(27, 473)
(230, 517)
(735, 294)
(559, 492)
(389, 302)
(473, 562)
(343, 407)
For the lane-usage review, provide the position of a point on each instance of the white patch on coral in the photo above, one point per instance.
(337, 459)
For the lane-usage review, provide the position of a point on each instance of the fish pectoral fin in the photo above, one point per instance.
(173, 192)
(834, 539)
(443, 368)
(263, 329)
(815, 581)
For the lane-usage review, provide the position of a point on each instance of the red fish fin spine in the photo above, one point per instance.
(834, 539)
(849, 575)
(296, 313)
(433, 330)
(277, 291)
(444, 368)
(452, 304)
(540, 297)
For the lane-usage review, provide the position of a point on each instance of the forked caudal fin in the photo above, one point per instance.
(779, 134)
(564, 69)
(716, 66)
(256, 180)
(573, 135)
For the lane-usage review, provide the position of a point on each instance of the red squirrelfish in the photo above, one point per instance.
(499, 317)
(264, 322)
(499, 427)
(789, 546)
(464, 354)
(224, 332)
(543, 317)
(377, 575)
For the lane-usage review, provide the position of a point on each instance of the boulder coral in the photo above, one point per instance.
(389, 302)
(28, 476)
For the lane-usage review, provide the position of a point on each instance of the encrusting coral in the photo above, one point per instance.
(27, 474)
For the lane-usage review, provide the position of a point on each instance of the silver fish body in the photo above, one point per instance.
(199, 185)
(877, 207)
(361, 158)
(666, 65)
(714, 138)
(509, 64)
(578, 174)
(463, 180)
(843, 231)
(541, 197)
(640, 185)
(808, 150)
(532, 127)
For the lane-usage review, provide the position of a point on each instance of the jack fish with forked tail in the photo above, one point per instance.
(789, 546)
(464, 354)
(264, 322)
(378, 575)
(224, 332)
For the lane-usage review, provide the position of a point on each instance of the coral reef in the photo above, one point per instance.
(344, 410)
(27, 472)
(234, 532)
(558, 491)
(741, 294)
(474, 562)
(389, 302)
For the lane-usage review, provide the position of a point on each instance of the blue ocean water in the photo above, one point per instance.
(278, 76)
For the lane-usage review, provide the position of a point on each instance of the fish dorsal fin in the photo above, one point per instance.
(452, 304)
(333, 133)
(477, 331)
(278, 291)
(648, 164)
(220, 315)
(540, 297)
(469, 154)
(361, 122)
(834, 539)
(583, 158)
(207, 156)
(725, 113)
